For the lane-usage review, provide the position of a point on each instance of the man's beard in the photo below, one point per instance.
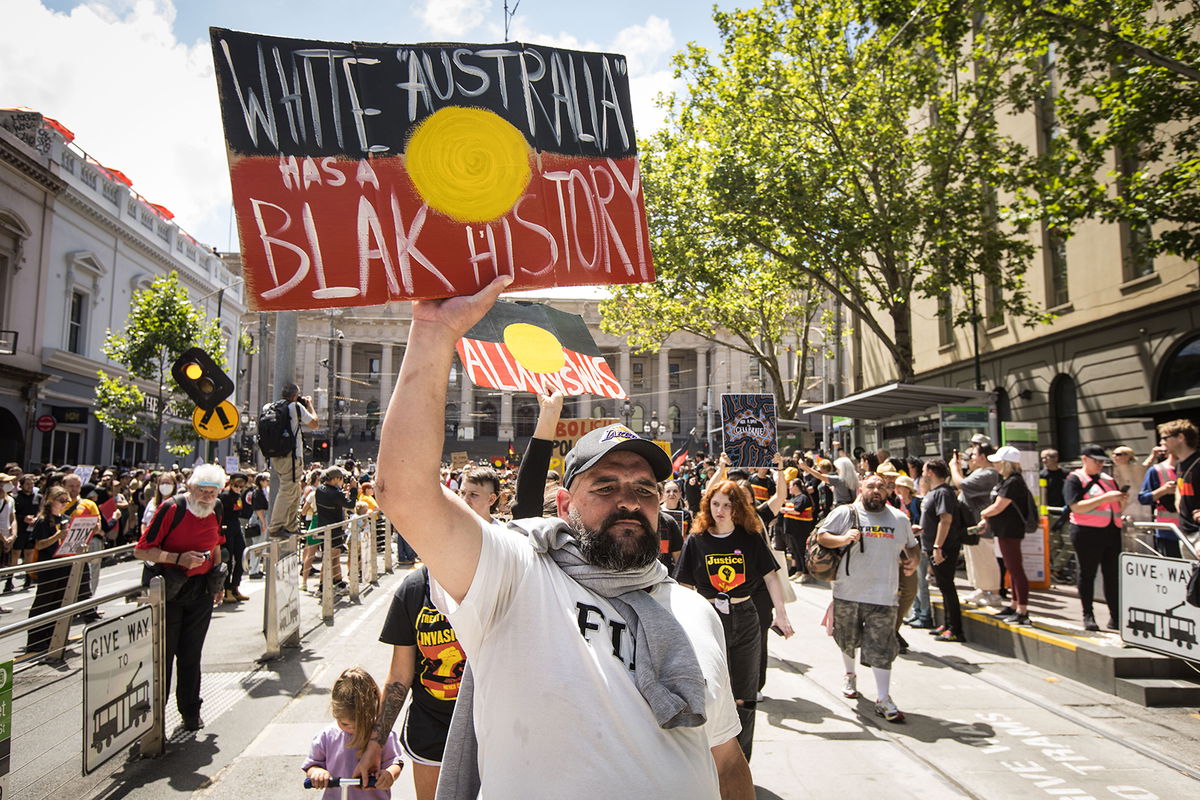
(602, 549)
(199, 509)
(872, 504)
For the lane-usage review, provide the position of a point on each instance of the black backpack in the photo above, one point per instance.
(275, 434)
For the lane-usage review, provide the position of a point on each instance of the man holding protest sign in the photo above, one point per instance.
(564, 603)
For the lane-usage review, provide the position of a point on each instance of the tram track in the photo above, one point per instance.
(1001, 685)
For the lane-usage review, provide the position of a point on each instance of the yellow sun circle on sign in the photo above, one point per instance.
(468, 163)
(536, 349)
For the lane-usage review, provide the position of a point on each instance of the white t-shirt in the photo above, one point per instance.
(6, 513)
(874, 570)
(556, 712)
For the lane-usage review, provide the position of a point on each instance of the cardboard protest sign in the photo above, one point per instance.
(459, 459)
(748, 425)
(84, 472)
(364, 173)
(568, 432)
(79, 534)
(525, 347)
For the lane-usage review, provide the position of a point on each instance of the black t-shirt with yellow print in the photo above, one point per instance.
(414, 620)
(733, 564)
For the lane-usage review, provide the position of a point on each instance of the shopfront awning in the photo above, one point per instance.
(897, 399)
(1189, 403)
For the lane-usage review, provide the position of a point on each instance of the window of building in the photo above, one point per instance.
(1055, 247)
(62, 446)
(526, 419)
(489, 420)
(945, 320)
(599, 411)
(673, 375)
(129, 453)
(1064, 408)
(638, 419)
(993, 304)
(639, 374)
(1180, 374)
(75, 323)
(673, 418)
(1003, 405)
(373, 367)
(452, 420)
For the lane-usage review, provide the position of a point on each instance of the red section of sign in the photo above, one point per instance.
(328, 232)
(493, 366)
(46, 423)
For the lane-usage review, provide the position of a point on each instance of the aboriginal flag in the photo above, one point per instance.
(525, 347)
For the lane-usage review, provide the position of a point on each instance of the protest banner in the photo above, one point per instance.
(84, 472)
(526, 347)
(79, 534)
(364, 173)
(459, 459)
(109, 507)
(749, 427)
(567, 433)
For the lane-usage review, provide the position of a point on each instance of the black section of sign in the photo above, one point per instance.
(208, 390)
(570, 329)
(70, 415)
(298, 97)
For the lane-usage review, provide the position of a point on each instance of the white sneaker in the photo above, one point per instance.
(993, 599)
(886, 708)
(973, 598)
(850, 686)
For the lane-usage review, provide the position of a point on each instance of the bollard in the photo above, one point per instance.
(326, 575)
(271, 600)
(373, 543)
(387, 546)
(153, 743)
(353, 564)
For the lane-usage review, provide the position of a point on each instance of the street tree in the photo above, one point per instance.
(858, 154)
(711, 286)
(162, 324)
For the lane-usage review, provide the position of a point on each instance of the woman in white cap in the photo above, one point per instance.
(1005, 519)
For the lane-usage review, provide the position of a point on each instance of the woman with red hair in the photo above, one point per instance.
(727, 560)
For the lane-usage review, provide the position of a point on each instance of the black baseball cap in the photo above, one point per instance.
(595, 445)
(1094, 451)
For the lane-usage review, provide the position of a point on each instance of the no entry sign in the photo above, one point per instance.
(45, 423)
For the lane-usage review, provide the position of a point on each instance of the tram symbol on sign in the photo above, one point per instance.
(218, 422)
(1163, 625)
(127, 710)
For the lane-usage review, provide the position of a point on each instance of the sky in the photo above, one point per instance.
(133, 79)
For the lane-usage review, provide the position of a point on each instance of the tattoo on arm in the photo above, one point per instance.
(393, 700)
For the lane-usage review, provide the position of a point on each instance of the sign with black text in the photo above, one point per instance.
(1154, 615)
(118, 685)
(364, 173)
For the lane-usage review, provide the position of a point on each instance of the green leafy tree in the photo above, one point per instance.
(855, 153)
(709, 285)
(162, 324)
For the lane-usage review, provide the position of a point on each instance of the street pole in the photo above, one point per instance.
(330, 403)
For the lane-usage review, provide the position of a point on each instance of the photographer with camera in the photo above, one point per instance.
(281, 423)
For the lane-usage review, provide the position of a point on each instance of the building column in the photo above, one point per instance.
(664, 385)
(466, 401)
(701, 393)
(585, 405)
(344, 387)
(309, 371)
(624, 371)
(386, 379)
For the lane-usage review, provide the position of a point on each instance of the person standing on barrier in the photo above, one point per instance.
(289, 467)
(49, 529)
(183, 545)
(1096, 503)
(235, 542)
(550, 611)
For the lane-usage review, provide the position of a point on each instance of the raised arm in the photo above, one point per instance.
(781, 486)
(435, 521)
(722, 468)
(531, 477)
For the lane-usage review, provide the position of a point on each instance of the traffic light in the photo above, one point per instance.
(200, 377)
(321, 450)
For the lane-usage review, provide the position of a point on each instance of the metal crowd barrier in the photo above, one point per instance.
(152, 742)
(1187, 543)
(362, 567)
(62, 627)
